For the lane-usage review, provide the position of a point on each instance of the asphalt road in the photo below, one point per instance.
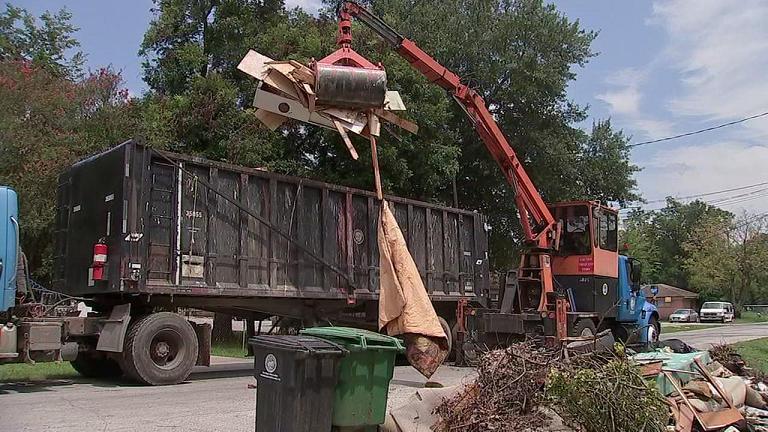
(726, 333)
(217, 399)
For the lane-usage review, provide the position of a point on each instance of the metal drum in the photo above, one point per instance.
(353, 87)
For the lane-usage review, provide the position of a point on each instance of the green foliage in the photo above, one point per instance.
(609, 397)
(658, 239)
(48, 122)
(47, 42)
(728, 259)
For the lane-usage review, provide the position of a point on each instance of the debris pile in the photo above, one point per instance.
(607, 393)
(506, 395)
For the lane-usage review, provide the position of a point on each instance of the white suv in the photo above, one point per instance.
(716, 311)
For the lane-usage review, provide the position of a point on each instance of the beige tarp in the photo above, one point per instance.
(404, 305)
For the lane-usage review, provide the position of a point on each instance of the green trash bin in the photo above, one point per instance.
(364, 375)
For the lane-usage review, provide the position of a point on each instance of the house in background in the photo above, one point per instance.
(670, 299)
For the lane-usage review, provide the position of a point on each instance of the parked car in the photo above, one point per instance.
(684, 315)
(716, 311)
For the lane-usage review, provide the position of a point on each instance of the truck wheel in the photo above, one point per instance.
(95, 364)
(160, 349)
(654, 329)
(583, 328)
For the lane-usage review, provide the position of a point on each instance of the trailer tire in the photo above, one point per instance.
(94, 364)
(160, 349)
(582, 327)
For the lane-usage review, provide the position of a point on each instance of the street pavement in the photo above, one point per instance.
(216, 398)
(727, 333)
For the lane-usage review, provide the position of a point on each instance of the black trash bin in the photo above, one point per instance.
(295, 382)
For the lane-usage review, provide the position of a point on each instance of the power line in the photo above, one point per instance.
(709, 193)
(731, 123)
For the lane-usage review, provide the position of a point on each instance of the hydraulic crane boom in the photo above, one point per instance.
(539, 227)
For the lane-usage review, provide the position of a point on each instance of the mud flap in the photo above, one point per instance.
(112, 335)
(203, 333)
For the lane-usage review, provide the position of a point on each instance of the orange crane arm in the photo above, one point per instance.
(538, 223)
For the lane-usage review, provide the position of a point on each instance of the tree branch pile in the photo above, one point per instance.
(506, 395)
(594, 392)
(602, 394)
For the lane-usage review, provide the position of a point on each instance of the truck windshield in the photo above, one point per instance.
(575, 238)
(713, 305)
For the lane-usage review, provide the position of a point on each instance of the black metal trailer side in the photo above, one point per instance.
(183, 231)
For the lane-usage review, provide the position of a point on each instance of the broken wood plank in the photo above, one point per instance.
(352, 120)
(398, 121)
(374, 125)
(277, 80)
(311, 97)
(393, 101)
(303, 73)
(254, 64)
(289, 108)
(284, 69)
(376, 174)
(271, 120)
(346, 139)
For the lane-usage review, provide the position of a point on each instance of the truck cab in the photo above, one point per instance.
(9, 246)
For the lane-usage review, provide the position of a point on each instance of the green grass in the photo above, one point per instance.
(21, 372)
(36, 372)
(752, 317)
(231, 348)
(674, 328)
(755, 353)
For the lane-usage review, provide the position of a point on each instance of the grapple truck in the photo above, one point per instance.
(571, 281)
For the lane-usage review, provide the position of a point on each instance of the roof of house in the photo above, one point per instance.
(668, 291)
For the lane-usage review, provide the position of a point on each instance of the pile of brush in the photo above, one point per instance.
(506, 395)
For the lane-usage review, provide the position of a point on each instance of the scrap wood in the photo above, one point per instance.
(398, 121)
(376, 174)
(280, 82)
(345, 137)
(254, 64)
(269, 119)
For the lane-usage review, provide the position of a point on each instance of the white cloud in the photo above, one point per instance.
(696, 169)
(624, 100)
(720, 50)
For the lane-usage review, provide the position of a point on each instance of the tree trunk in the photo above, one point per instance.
(222, 328)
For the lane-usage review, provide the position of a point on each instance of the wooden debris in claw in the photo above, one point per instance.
(346, 139)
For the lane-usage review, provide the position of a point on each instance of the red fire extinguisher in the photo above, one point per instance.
(99, 265)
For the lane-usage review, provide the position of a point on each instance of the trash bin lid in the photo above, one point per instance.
(300, 343)
(356, 338)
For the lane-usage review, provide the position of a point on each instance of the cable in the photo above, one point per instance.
(699, 131)
(709, 193)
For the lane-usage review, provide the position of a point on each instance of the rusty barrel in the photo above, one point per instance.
(352, 87)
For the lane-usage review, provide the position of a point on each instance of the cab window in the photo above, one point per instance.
(606, 228)
(575, 238)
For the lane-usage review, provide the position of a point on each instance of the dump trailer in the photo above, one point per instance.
(141, 233)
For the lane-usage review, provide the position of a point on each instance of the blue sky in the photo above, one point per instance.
(663, 68)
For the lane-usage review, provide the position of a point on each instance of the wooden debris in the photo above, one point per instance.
(271, 120)
(254, 64)
(398, 121)
(376, 174)
(346, 139)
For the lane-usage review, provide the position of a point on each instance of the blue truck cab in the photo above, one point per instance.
(9, 246)
(635, 313)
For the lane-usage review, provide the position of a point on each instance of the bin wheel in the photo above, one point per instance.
(448, 333)
(95, 364)
(160, 349)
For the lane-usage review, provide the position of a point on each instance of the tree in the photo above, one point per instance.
(50, 118)
(640, 237)
(48, 45)
(728, 259)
